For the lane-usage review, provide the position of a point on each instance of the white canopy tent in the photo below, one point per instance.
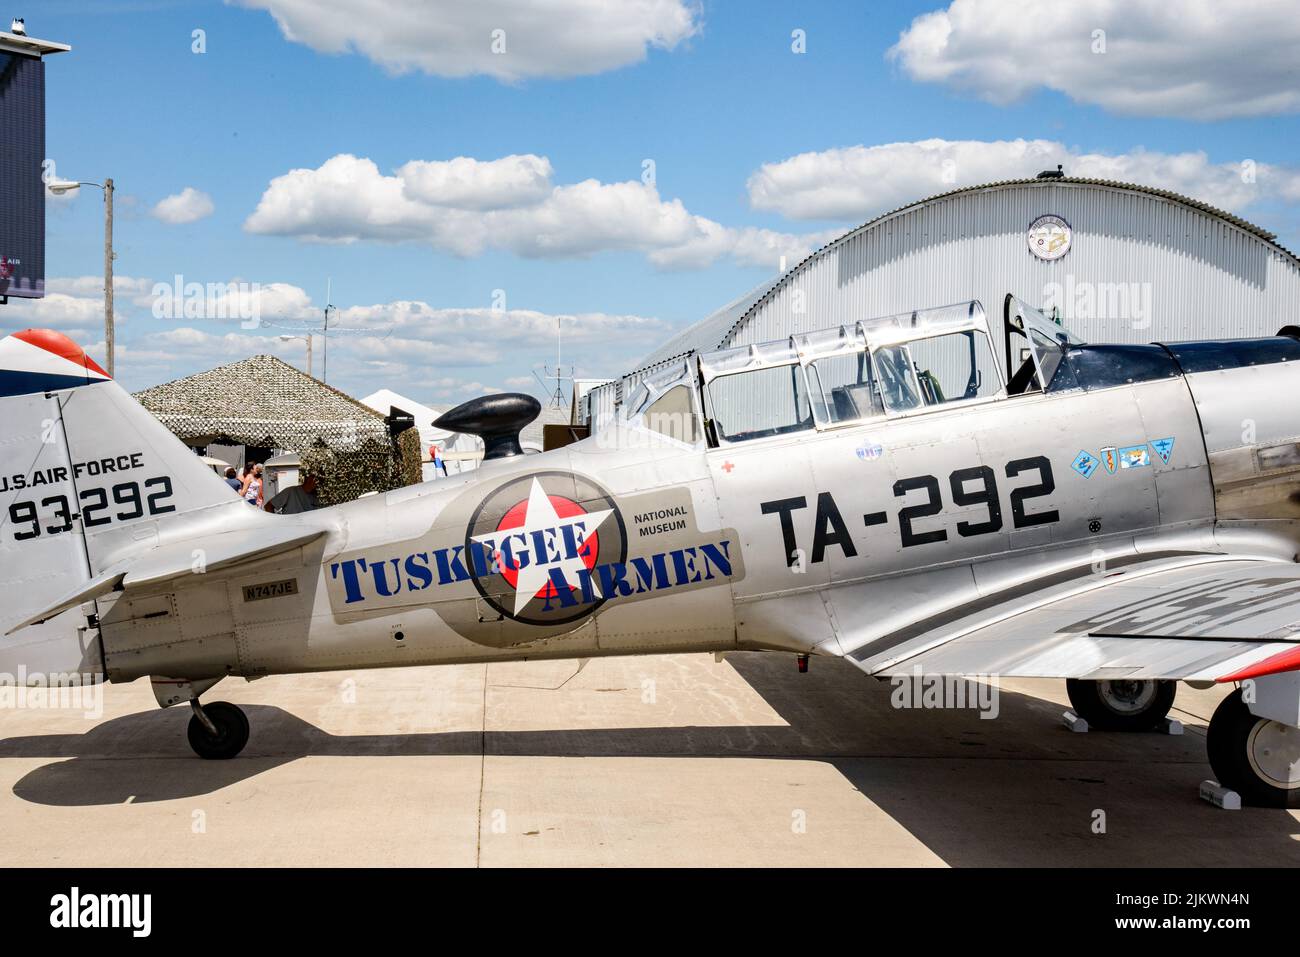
(460, 453)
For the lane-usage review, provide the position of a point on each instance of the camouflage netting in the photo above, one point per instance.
(410, 470)
(348, 475)
(267, 403)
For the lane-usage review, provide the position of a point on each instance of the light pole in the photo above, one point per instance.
(306, 339)
(59, 187)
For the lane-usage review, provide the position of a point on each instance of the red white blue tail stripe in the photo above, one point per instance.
(41, 360)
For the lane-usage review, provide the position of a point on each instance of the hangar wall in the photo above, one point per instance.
(1205, 274)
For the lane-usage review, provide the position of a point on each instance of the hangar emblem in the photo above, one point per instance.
(1049, 237)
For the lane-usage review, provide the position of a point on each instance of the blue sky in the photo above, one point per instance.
(712, 93)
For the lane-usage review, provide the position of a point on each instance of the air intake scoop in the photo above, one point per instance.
(496, 419)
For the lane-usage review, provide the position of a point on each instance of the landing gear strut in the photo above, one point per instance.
(1256, 757)
(218, 730)
(1121, 705)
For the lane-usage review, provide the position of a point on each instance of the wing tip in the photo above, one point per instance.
(1288, 660)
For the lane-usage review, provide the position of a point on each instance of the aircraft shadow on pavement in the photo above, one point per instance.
(1015, 790)
(1019, 789)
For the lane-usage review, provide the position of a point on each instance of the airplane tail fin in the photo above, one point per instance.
(87, 478)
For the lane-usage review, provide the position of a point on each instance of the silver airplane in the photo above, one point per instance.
(1120, 516)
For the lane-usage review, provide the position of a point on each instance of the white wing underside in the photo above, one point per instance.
(1209, 618)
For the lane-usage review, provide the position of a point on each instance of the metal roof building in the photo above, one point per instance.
(1115, 262)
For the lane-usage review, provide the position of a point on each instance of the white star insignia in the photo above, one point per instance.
(539, 515)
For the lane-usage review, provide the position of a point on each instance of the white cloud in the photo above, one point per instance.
(77, 303)
(1196, 59)
(211, 348)
(423, 347)
(856, 182)
(188, 206)
(467, 183)
(505, 329)
(466, 207)
(343, 200)
(124, 287)
(558, 38)
(73, 304)
(409, 345)
(56, 311)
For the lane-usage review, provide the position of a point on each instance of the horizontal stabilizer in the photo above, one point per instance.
(207, 554)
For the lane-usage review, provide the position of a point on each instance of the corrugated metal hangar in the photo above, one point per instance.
(1113, 262)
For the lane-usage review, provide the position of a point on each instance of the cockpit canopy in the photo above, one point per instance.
(899, 365)
(893, 365)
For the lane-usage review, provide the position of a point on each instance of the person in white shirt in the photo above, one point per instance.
(253, 487)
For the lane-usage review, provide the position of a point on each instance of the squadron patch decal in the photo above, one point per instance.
(1134, 457)
(1126, 457)
(1085, 463)
(1110, 459)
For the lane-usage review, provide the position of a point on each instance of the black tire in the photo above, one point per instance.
(1121, 705)
(232, 732)
(1242, 748)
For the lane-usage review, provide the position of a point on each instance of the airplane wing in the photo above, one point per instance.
(1206, 618)
(220, 551)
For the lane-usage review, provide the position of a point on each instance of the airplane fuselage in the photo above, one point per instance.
(623, 545)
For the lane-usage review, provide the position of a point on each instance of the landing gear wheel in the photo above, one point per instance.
(232, 731)
(1256, 757)
(1121, 705)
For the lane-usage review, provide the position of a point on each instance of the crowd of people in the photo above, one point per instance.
(251, 487)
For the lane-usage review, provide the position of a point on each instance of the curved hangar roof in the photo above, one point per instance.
(1141, 263)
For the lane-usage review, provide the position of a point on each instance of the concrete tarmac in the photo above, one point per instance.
(675, 760)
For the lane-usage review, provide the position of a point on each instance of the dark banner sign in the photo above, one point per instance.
(22, 192)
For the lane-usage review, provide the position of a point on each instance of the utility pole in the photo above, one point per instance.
(108, 274)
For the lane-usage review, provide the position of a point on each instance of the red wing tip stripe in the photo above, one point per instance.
(1288, 660)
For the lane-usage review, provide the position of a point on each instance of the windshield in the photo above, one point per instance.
(1036, 347)
(760, 403)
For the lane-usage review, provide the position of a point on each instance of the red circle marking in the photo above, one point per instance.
(564, 508)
